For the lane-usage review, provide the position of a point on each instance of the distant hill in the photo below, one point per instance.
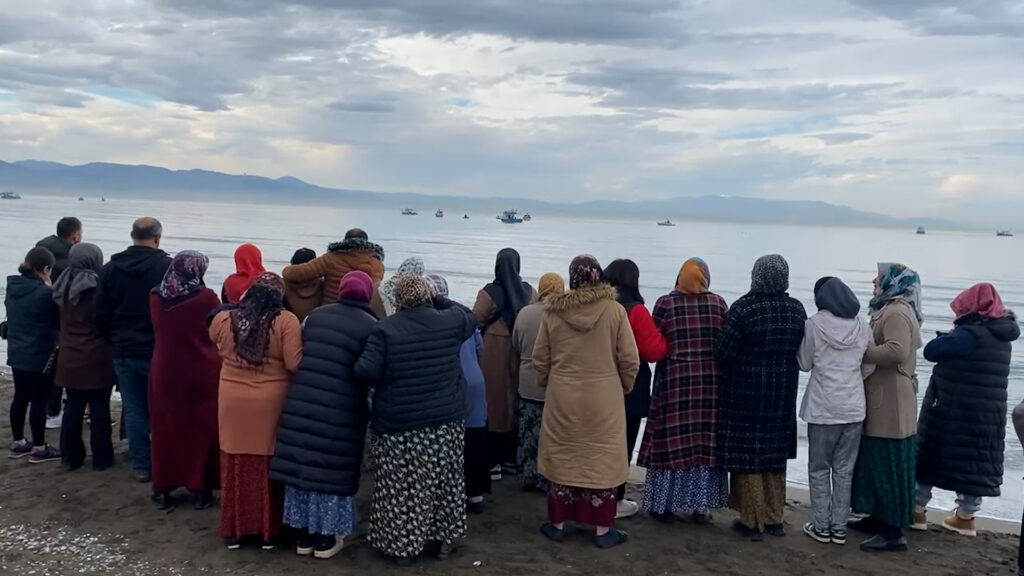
(127, 181)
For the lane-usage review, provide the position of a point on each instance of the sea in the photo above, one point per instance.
(463, 250)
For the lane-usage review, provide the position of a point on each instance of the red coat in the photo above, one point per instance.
(652, 348)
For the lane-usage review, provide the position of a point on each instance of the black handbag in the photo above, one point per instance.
(3, 330)
(51, 362)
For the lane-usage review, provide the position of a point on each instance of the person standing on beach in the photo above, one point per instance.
(183, 394)
(301, 298)
(260, 347)
(531, 394)
(678, 448)
(624, 276)
(1018, 427)
(248, 265)
(355, 252)
(412, 266)
(586, 359)
(962, 430)
(757, 402)
(122, 317)
(32, 333)
(833, 406)
(496, 308)
(884, 478)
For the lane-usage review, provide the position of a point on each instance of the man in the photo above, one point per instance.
(122, 317)
(69, 233)
(356, 252)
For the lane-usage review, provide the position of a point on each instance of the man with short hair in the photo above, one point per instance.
(122, 317)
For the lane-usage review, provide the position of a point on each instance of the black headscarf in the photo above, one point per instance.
(624, 276)
(508, 291)
(836, 297)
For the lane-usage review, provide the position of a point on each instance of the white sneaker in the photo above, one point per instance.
(626, 508)
(53, 422)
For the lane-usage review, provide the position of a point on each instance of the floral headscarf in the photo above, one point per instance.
(896, 283)
(410, 292)
(584, 271)
(694, 277)
(255, 314)
(184, 277)
(410, 267)
(770, 275)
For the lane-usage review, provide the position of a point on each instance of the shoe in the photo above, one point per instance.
(753, 534)
(328, 547)
(552, 533)
(920, 521)
(701, 519)
(268, 545)
(611, 539)
(54, 422)
(510, 469)
(839, 537)
(496, 474)
(19, 449)
(962, 526)
(445, 551)
(68, 467)
(42, 454)
(203, 500)
(665, 518)
(164, 501)
(232, 543)
(867, 525)
(475, 507)
(879, 543)
(626, 509)
(822, 536)
(142, 476)
(304, 544)
(775, 529)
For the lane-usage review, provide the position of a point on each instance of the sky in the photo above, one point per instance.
(902, 107)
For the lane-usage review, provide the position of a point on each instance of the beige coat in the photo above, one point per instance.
(499, 365)
(892, 390)
(524, 336)
(586, 358)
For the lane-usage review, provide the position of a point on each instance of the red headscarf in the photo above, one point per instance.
(356, 285)
(981, 299)
(249, 265)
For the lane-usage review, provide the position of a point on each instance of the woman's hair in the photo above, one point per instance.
(37, 260)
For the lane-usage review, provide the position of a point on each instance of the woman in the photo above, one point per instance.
(183, 394)
(962, 428)
(248, 265)
(883, 480)
(301, 298)
(624, 276)
(419, 405)
(355, 252)
(586, 358)
(531, 395)
(260, 347)
(757, 402)
(496, 308)
(678, 449)
(410, 267)
(32, 332)
(319, 450)
(85, 365)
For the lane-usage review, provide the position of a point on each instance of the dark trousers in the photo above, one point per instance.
(632, 431)
(503, 448)
(477, 463)
(31, 389)
(55, 401)
(72, 448)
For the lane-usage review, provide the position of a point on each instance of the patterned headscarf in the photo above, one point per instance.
(184, 277)
(896, 282)
(83, 272)
(981, 299)
(410, 292)
(694, 277)
(410, 267)
(550, 284)
(436, 285)
(584, 271)
(255, 314)
(770, 275)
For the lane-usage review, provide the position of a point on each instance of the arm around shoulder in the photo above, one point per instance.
(370, 366)
(315, 268)
(291, 340)
(897, 340)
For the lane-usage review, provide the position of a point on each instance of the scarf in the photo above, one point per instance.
(184, 277)
(897, 283)
(624, 276)
(411, 292)
(770, 275)
(255, 314)
(981, 299)
(84, 264)
(550, 284)
(508, 292)
(436, 285)
(410, 267)
(248, 265)
(836, 297)
(356, 286)
(584, 270)
(694, 277)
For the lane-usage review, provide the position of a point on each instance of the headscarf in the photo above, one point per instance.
(436, 285)
(184, 277)
(770, 275)
(508, 291)
(357, 286)
(624, 276)
(410, 292)
(550, 284)
(981, 299)
(410, 267)
(896, 282)
(694, 277)
(255, 314)
(248, 265)
(83, 272)
(584, 270)
(821, 282)
(836, 297)
(303, 255)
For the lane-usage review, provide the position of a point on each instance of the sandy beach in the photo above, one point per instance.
(54, 523)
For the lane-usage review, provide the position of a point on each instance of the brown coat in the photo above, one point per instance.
(303, 297)
(892, 389)
(500, 366)
(332, 267)
(524, 336)
(85, 361)
(251, 399)
(586, 358)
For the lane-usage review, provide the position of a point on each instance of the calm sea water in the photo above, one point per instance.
(463, 251)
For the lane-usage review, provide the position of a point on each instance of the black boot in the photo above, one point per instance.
(203, 499)
(889, 539)
(164, 501)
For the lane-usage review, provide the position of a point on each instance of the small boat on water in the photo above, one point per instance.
(527, 217)
(465, 216)
(409, 212)
(103, 199)
(1004, 234)
(921, 231)
(439, 214)
(80, 199)
(10, 196)
(511, 217)
(666, 223)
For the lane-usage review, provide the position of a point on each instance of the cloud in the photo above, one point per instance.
(959, 186)
(961, 18)
(839, 138)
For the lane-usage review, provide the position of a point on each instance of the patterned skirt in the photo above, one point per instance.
(531, 413)
(884, 479)
(760, 499)
(594, 507)
(697, 490)
(318, 512)
(419, 495)
(250, 504)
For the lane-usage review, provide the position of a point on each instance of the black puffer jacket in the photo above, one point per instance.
(962, 427)
(412, 358)
(32, 321)
(323, 427)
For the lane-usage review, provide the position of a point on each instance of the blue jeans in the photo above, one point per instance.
(133, 380)
(967, 504)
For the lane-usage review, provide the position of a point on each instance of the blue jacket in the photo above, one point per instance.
(469, 357)
(32, 323)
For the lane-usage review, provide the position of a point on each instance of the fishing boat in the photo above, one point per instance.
(511, 217)
(666, 223)
(103, 199)
(527, 217)
(409, 212)
(465, 216)
(9, 196)
(1004, 234)
(80, 199)
(921, 231)
(439, 214)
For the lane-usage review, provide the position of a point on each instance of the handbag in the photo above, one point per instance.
(3, 330)
(51, 362)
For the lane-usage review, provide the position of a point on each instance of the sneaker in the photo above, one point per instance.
(879, 543)
(839, 537)
(626, 509)
(42, 454)
(304, 544)
(142, 476)
(959, 524)
(496, 473)
(19, 449)
(232, 543)
(823, 536)
(53, 422)
(327, 547)
(920, 521)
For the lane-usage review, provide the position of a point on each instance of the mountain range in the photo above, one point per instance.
(141, 181)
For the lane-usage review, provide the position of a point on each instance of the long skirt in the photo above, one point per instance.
(884, 480)
(531, 413)
(319, 512)
(698, 490)
(250, 504)
(477, 464)
(581, 505)
(419, 494)
(760, 499)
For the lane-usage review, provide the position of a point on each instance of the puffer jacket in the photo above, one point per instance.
(32, 323)
(833, 352)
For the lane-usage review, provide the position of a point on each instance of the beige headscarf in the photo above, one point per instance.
(550, 284)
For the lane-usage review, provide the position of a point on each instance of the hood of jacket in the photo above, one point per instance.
(138, 260)
(837, 298)
(840, 333)
(21, 286)
(358, 245)
(59, 247)
(577, 307)
(1004, 329)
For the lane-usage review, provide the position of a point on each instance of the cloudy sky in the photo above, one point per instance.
(896, 106)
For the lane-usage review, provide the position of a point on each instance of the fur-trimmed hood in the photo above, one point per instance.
(358, 245)
(581, 308)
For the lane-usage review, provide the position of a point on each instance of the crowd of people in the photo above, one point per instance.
(287, 389)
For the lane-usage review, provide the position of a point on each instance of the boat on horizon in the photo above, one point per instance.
(80, 199)
(10, 196)
(1004, 234)
(465, 216)
(666, 223)
(527, 217)
(439, 213)
(510, 217)
(920, 231)
(409, 212)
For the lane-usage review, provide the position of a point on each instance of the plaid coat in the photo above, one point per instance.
(680, 433)
(757, 405)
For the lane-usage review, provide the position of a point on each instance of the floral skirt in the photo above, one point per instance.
(884, 479)
(250, 504)
(419, 495)
(531, 413)
(697, 490)
(318, 512)
(581, 505)
(760, 499)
